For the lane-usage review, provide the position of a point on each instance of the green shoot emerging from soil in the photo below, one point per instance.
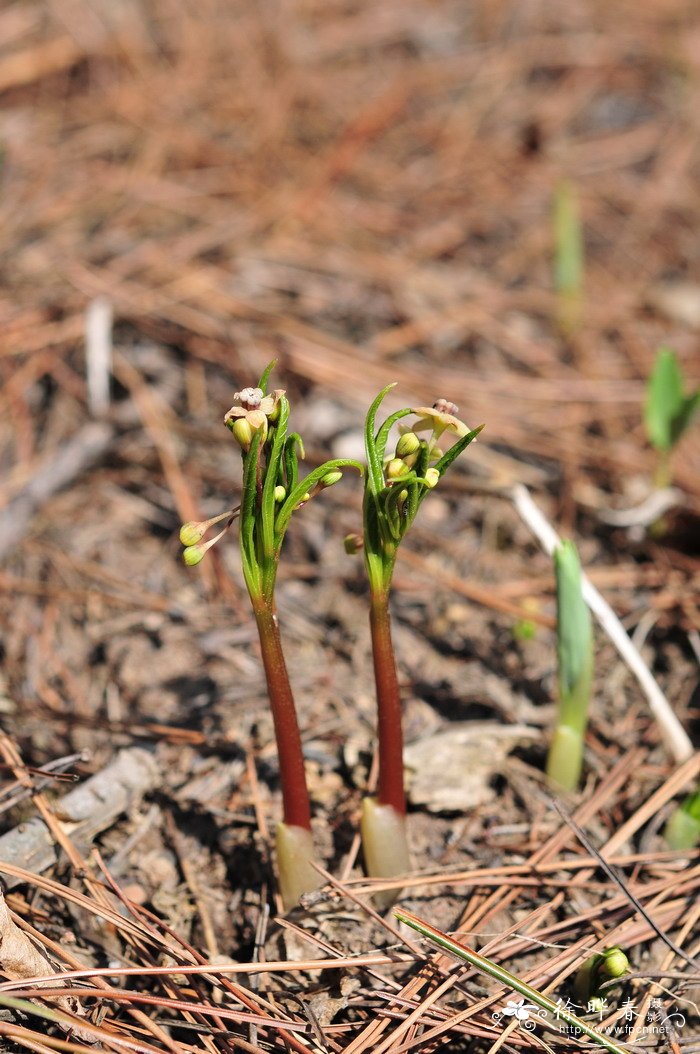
(271, 492)
(575, 659)
(568, 258)
(604, 966)
(667, 412)
(683, 828)
(394, 490)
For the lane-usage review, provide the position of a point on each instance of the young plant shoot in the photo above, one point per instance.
(667, 412)
(394, 490)
(607, 965)
(568, 258)
(575, 659)
(271, 492)
(682, 830)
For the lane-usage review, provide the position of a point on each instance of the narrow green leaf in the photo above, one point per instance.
(383, 433)
(664, 403)
(574, 631)
(375, 476)
(306, 484)
(262, 383)
(268, 507)
(685, 415)
(568, 237)
(293, 450)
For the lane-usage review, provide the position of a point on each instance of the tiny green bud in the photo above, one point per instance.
(303, 500)
(242, 432)
(353, 543)
(435, 453)
(396, 468)
(409, 443)
(615, 963)
(330, 478)
(432, 477)
(191, 533)
(280, 493)
(193, 554)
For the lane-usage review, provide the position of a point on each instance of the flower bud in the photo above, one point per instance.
(242, 432)
(353, 543)
(192, 532)
(193, 554)
(280, 493)
(435, 453)
(615, 963)
(330, 478)
(432, 477)
(396, 468)
(409, 443)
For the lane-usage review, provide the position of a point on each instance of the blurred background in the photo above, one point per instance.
(496, 202)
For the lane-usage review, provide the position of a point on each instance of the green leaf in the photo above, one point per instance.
(568, 237)
(685, 415)
(292, 444)
(251, 569)
(665, 402)
(276, 443)
(262, 383)
(293, 499)
(383, 434)
(574, 631)
(375, 476)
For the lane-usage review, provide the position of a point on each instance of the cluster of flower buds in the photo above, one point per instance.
(252, 414)
(191, 535)
(439, 418)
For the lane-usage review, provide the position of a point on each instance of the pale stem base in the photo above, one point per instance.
(384, 845)
(565, 758)
(295, 851)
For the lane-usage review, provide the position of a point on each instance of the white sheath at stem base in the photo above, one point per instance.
(295, 851)
(565, 758)
(384, 845)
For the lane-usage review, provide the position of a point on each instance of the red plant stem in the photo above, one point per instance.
(295, 797)
(390, 790)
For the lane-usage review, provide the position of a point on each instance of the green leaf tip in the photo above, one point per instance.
(667, 411)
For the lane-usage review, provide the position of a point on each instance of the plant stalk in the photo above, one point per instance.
(295, 797)
(390, 790)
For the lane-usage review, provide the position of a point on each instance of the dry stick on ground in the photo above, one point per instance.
(672, 731)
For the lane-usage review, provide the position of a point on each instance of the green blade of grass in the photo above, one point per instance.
(664, 399)
(498, 973)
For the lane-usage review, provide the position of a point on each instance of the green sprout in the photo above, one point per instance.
(682, 830)
(607, 965)
(667, 412)
(575, 661)
(271, 493)
(395, 487)
(568, 258)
